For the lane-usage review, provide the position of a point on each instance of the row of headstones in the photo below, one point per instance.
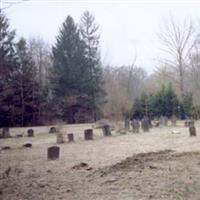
(6, 133)
(146, 125)
(88, 135)
(135, 124)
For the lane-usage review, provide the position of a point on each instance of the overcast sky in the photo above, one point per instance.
(127, 28)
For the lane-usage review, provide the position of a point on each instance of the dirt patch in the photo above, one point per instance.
(155, 175)
(131, 166)
(141, 160)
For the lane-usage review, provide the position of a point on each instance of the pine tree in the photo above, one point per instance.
(68, 74)
(187, 103)
(27, 95)
(7, 69)
(90, 36)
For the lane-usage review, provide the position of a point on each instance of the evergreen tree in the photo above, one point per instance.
(68, 72)
(7, 69)
(94, 81)
(28, 96)
(187, 103)
(162, 103)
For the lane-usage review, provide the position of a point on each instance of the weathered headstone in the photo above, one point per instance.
(70, 137)
(135, 125)
(163, 121)
(145, 124)
(5, 132)
(192, 131)
(53, 130)
(27, 145)
(53, 153)
(127, 124)
(30, 133)
(88, 134)
(191, 123)
(173, 120)
(60, 138)
(149, 121)
(106, 130)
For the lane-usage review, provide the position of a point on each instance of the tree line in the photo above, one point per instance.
(38, 86)
(42, 84)
(164, 102)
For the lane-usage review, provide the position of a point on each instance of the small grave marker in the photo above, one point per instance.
(88, 134)
(53, 153)
(30, 132)
(106, 130)
(70, 137)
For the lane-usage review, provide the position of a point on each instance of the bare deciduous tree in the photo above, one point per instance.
(177, 41)
(40, 52)
(122, 85)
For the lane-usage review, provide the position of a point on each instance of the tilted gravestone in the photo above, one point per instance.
(53, 153)
(145, 124)
(30, 133)
(60, 138)
(192, 131)
(135, 125)
(106, 130)
(53, 130)
(70, 137)
(88, 133)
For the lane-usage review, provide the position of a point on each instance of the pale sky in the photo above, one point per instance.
(127, 28)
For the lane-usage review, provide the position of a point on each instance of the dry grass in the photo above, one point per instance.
(171, 175)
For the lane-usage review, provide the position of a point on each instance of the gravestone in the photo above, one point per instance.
(186, 123)
(173, 120)
(30, 132)
(88, 134)
(145, 124)
(192, 131)
(60, 138)
(53, 130)
(5, 132)
(165, 121)
(53, 153)
(161, 121)
(191, 123)
(70, 137)
(106, 130)
(127, 124)
(135, 125)
(27, 145)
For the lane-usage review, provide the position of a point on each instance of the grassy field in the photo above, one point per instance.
(153, 165)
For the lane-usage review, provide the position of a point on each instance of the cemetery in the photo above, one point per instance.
(59, 163)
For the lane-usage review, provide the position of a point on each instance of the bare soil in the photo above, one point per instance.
(155, 165)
